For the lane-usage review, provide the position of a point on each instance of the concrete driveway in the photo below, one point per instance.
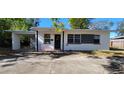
(53, 64)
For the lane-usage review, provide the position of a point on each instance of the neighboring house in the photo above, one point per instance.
(117, 42)
(48, 39)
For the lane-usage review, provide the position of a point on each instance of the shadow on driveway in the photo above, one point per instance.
(116, 64)
(6, 65)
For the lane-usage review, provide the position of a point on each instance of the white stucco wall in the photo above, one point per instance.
(32, 42)
(46, 47)
(104, 41)
(15, 41)
(16, 38)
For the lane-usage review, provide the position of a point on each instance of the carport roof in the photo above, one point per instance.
(20, 32)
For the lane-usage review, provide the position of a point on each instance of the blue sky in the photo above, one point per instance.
(46, 22)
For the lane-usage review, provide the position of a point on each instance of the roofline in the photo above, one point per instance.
(118, 37)
(52, 28)
(20, 31)
(70, 29)
(12, 30)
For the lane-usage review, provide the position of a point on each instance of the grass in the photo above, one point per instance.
(111, 52)
(104, 53)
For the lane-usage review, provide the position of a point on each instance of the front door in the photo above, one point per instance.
(57, 43)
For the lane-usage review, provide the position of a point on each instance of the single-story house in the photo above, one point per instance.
(48, 39)
(117, 42)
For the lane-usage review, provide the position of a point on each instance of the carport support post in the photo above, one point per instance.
(37, 39)
(63, 41)
(15, 41)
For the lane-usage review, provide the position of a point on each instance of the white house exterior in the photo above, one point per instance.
(71, 39)
(48, 39)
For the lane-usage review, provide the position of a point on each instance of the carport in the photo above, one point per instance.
(16, 44)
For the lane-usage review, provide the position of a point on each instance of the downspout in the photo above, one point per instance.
(37, 39)
(63, 41)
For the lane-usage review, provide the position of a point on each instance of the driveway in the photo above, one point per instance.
(53, 64)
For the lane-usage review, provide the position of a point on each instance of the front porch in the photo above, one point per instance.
(50, 41)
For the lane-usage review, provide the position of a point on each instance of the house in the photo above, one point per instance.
(48, 39)
(117, 42)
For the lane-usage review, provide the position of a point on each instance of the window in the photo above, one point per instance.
(47, 39)
(77, 39)
(73, 38)
(96, 39)
(83, 38)
(70, 39)
(86, 38)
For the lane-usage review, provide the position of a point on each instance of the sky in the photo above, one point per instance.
(46, 22)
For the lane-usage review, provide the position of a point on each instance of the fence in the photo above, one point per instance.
(117, 43)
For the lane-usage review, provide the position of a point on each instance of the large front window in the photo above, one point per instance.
(74, 39)
(83, 39)
(87, 38)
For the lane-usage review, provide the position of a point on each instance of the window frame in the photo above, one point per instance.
(85, 39)
(47, 38)
(97, 42)
(74, 39)
(88, 40)
(70, 38)
(79, 38)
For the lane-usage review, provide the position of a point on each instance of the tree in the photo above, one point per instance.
(120, 28)
(23, 23)
(15, 24)
(79, 23)
(5, 24)
(59, 26)
(101, 25)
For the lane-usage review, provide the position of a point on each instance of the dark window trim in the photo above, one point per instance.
(81, 40)
(47, 39)
(70, 38)
(97, 39)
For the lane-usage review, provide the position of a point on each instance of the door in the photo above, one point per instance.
(57, 43)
